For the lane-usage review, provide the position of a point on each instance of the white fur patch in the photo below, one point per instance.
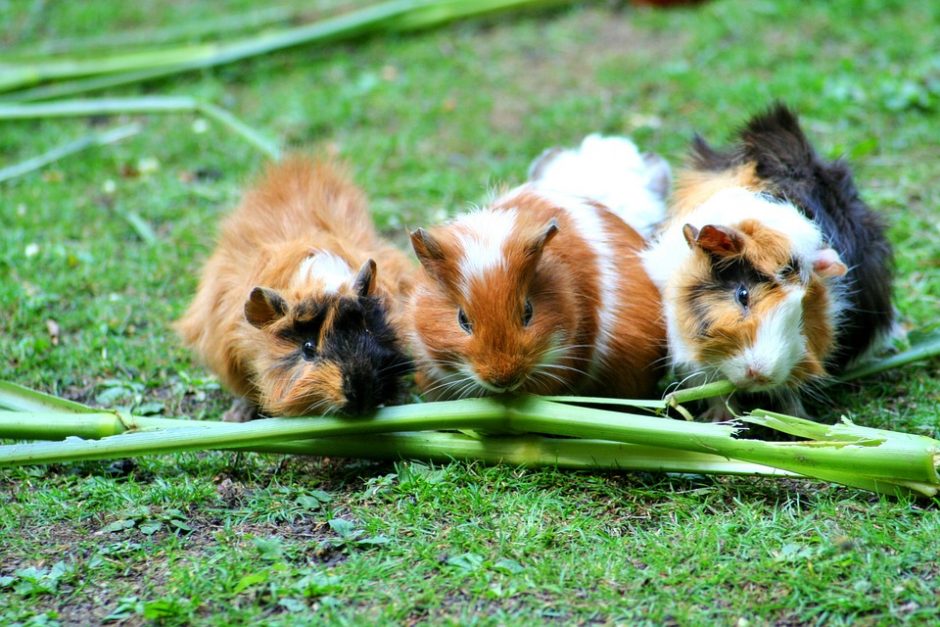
(482, 235)
(326, 269)
(778, 347)
(611, 171)
(590, 226)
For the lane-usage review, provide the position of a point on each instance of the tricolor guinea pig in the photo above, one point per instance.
(774, 273)
(298, 310)
(541, 292)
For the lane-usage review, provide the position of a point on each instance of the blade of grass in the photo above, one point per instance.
(147, 104)
(135, 65)
(60, 152)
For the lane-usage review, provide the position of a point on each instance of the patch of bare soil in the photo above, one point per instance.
(534, 71)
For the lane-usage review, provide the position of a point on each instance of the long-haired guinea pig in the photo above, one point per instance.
(299, 308)
(541, 292)
(774, 272)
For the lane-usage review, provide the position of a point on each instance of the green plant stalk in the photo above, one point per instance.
(185, 58)
(15, 397)
(59, 152)
(520, 450)
(443, 11)
(911, 458)
(922, 350)
(523, 450)
(147, 104)
(698, 393)
(876, 460)
(470, 413)
(45, 425)
(226, 24)
(656, 405)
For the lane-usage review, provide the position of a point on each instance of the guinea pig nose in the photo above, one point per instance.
(359, 389)
(755, 375)
(506, 381)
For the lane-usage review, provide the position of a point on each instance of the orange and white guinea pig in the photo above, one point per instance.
(299, 309)
(541, 292)
(774, 273)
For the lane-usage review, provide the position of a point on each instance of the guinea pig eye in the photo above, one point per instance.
(309, 349)
(464, 322)
(527, 313)
(742, 295)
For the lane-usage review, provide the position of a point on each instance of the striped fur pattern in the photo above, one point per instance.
(299, 309)
(756, 287)
(539, 292)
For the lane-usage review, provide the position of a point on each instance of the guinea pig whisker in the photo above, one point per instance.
(469, 389)
(564, 367)
(544, 382)
(448, 382)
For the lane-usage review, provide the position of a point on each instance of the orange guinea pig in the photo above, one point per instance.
(299, 308)
(542, 292)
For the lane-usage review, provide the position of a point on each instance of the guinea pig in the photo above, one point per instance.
(541, 292)
(299, 309)
(774, 273)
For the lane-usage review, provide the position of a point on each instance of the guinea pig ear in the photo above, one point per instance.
(721, 241)
(364, 284)
(429, 251)
(264, 306)
(426, 247)
(828, 264)
(541, 238)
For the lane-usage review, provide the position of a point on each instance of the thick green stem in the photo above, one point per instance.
(18, 398)
(893, 459)
(34, 424)
(522, 450)
(467, 414)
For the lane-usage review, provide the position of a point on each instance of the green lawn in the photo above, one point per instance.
(430, 122)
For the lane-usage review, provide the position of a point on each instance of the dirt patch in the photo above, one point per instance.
(539, 69)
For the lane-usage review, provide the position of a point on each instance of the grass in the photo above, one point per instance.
(430, 121)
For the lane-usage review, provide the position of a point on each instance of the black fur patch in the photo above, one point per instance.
(367, 350)
(359, 340)
(825, 192)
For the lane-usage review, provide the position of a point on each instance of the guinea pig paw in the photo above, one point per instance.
(718, 411)
(240, 411)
